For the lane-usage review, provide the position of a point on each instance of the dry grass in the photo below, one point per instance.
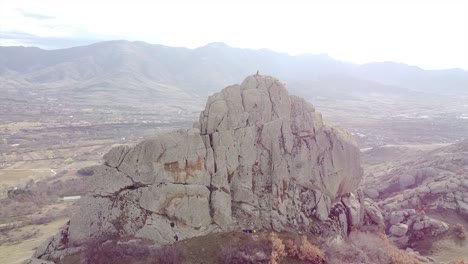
(278, 251)
(106, 250)
(450, 249)
(366, 247)
(15, 253)
(309, 252)
(249, 251)
(19, 177)
(270, 248)
(263, 247)
(33, 213)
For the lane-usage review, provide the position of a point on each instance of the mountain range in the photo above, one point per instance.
(136, 82)
(121, 67)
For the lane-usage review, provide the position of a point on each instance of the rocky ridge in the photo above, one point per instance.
(257, 158)
(413, 193)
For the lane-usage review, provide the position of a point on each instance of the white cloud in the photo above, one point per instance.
(430, 34)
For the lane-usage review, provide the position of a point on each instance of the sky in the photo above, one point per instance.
(427, 33)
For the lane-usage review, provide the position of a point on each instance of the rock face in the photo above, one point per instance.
(436, 180)
(257, 158)
(274, 156)
(415, 193)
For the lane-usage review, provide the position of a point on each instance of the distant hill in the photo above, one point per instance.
(114, 66)
(450, 80)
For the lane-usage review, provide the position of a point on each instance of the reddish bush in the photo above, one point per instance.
(460, 231)
(309, 252)
(306, 251)
(278, 250)
(291, 248)
(378, 249)
(418, 235)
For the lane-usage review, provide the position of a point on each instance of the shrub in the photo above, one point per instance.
(378, 249)
(306, 251)
(249, 251)
(309, 252)
(291, 248)
(88, 171)
(344, 253)
(19, 194)
(460, 231)
(418, 235)
(10, 208)
(277, 249)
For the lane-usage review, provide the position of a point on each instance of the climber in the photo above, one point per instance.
(249, 231)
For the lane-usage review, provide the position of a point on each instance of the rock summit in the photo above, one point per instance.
(257, 158)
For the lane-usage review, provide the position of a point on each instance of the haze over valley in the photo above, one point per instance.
(317, 132)
(121, 92)
(63, 109)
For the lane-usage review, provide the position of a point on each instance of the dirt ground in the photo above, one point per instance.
(16, 253)
(448, 249)
(28, 237)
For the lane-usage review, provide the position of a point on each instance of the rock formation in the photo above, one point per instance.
(257, 158)
(413, 193)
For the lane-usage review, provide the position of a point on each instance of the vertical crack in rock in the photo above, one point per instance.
(273, 110)
(212, 147)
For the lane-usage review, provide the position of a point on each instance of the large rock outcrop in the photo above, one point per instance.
(258, 157)
(422, 197)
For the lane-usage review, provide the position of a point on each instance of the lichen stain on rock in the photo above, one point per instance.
(191, 168)
(172, 167)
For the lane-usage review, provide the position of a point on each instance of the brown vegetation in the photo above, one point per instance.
(460, 231)
(263, 247)
(31, 205)
(291, 248)
(366, 247)
(309, 253)
(23, 202)
(271, 250)
(278, 249)
(17, 236)
(106, 250)
(250, 251)
(171, 254)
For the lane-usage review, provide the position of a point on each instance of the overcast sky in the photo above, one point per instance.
(427, 33)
